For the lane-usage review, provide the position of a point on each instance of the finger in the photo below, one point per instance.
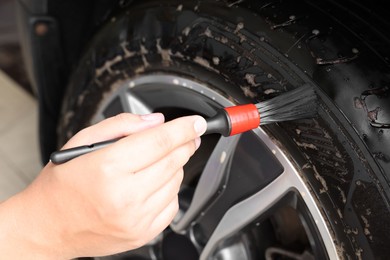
(159, 200)
(117, 126)
(162, 220)
(168, 165)
(151, 206)
(155, 226)
(140, 150)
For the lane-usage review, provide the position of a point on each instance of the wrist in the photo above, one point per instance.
(25, 230)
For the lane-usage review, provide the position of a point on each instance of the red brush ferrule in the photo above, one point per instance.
(243, 118)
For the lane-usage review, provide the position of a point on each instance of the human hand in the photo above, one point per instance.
(112, 200)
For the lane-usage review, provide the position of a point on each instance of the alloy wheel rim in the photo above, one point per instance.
(147, 93)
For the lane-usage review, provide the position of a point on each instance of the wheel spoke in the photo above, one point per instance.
(133, 104)
(245, 212)
(124, 101)
(226, 180)
(210, 182)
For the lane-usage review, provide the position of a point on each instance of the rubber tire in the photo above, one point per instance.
(265, 48)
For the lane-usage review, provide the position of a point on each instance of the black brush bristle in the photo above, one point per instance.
(295, 104)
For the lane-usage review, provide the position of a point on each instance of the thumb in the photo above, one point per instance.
(121, 125)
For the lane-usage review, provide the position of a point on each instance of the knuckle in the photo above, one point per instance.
(107, 167)
(184, 153)
(171, 163)
(164, 140)
(177, 159)
(125, 119)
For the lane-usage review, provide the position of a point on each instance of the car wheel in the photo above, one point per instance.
(307, 189)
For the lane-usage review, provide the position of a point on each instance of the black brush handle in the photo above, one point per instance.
(227, 122)
(217, 124)
(63, 156)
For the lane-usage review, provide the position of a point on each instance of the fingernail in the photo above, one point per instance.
(200, 125)
(152, 117)
(197, 142)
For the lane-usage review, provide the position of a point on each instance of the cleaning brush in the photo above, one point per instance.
(292, 105)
